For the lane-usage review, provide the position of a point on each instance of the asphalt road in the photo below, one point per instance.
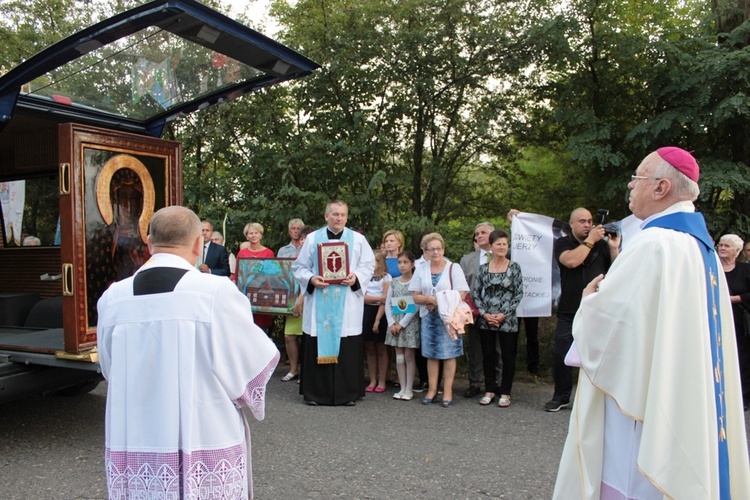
(52, 447)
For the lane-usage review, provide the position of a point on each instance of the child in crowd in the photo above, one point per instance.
(374, 325)
(403, 325)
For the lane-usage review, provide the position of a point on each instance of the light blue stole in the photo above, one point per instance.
(330, 305)
(694, 225)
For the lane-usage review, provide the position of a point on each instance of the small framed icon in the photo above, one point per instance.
(333, 261)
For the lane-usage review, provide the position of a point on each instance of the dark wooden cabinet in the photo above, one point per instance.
(111, 183)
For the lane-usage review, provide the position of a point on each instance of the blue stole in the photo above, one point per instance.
(330, 305)
(694, 225)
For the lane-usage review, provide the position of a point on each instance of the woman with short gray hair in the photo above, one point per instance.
(435, 275)
(738, 282)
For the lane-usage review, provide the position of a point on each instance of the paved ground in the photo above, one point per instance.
(52, 448)
(383, 448)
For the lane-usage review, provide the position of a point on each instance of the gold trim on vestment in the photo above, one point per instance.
(328, 360)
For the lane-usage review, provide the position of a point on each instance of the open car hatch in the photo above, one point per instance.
(144, 67)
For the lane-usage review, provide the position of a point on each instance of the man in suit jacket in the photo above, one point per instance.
(470, 265)
(215, 259)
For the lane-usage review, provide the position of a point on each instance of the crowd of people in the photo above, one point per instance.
(402, 327)
(418, 308)
(660, 337)
(401, 322)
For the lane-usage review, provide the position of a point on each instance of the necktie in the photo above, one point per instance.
(488, 256)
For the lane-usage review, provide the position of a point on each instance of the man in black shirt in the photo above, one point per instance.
(581, 256)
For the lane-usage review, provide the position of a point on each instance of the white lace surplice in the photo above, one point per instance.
(179, 369)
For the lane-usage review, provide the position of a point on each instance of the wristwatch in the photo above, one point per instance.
(589, 245)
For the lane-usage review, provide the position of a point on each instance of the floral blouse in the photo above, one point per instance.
(498, 293)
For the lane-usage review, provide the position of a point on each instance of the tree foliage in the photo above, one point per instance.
(616, 80)
(407, 116)
(28, 27)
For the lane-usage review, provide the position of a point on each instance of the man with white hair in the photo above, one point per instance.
(291, 250)
(470, 264)
(181, 356)
(658, 409)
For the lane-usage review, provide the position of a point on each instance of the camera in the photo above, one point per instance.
(611, 228)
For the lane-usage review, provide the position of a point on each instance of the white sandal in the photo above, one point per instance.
(485, 400)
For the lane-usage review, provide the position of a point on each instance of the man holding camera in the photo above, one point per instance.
(581, 256)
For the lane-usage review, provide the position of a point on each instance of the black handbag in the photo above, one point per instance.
(746, 321)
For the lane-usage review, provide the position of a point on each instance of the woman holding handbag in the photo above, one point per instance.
(436, 275)
(497, 291)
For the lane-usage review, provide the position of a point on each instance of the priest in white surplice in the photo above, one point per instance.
(181, 355)
(332, 366)
(658, 411)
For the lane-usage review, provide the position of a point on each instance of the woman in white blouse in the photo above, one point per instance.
(435, 275)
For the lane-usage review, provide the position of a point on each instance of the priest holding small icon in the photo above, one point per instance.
(333, 268)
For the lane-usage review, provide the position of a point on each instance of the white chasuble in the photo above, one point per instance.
(643, 341)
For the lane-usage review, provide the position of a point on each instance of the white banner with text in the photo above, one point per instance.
(532, 239)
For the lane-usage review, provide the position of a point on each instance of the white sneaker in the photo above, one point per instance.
(398, 395)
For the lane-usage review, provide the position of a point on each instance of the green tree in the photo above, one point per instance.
(703, 102)
(408, 114)
(241, 161)
(28, 27)
(438, 114)
(616, 80)
(593, 62)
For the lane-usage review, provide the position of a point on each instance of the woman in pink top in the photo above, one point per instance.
(254, 232)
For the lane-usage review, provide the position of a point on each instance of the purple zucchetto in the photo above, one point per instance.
(681, 160)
